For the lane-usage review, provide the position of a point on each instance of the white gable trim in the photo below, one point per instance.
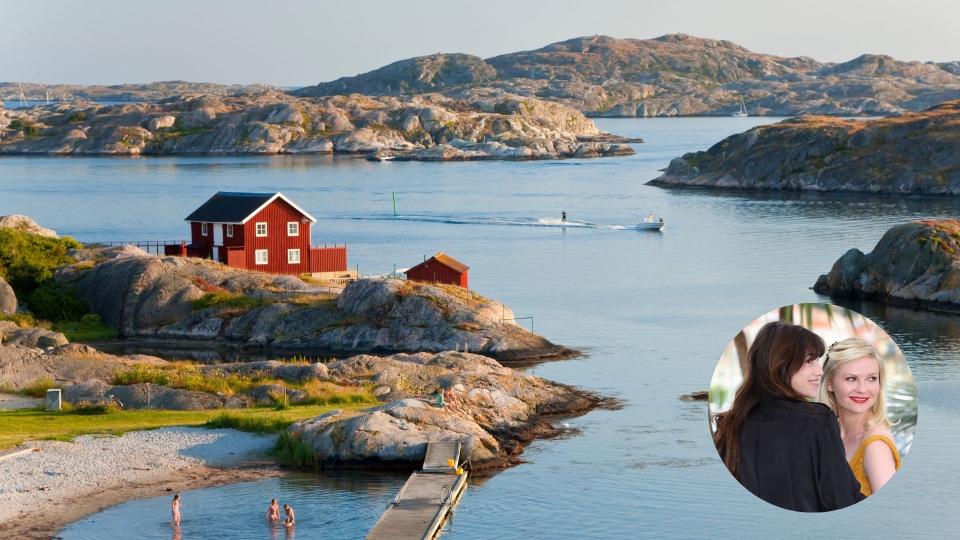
(275, 197)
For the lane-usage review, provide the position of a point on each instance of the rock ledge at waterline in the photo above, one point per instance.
(156, 298)
(915, 264)
(916, 153)
(474, 124)
(494, 411)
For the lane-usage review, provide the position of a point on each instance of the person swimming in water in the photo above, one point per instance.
(291, 519)
(273, 511)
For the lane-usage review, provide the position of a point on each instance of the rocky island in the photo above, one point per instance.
(672, 75)
(603, 76)
(913, 153)
(915, 264)
(473, 124)
(178, 299)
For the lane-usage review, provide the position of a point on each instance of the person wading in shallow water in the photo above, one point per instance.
(291, 519)
(273, 511)
(175, 509)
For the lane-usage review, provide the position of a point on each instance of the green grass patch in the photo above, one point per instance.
(328, 394)
(38, 388)
(36, 424)
(290, 451)
(92, 408)
(187, 376)
(88, 328)
(57, 302)
(252, 424)
(25, 320)
(226, 299)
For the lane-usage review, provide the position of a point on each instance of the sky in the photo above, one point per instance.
(299, 43)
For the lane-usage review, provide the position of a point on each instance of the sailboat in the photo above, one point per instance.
(743, 109)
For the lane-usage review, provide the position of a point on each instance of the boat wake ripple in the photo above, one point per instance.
(503, 221)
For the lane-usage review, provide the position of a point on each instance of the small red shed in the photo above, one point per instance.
(258, 231)
(441, 268)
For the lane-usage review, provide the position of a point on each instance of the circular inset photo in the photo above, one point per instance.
(812, 407)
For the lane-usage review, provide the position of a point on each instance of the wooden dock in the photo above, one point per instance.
(422, 505)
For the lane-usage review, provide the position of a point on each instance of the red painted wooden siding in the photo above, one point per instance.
(235, 257)
(328, 259)
(179, 250)
(201, 244)
(237, 240)
(276, 215)
(434, 272)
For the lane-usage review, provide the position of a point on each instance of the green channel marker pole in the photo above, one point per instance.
(394, 194)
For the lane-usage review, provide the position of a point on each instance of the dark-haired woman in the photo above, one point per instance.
(783, 448)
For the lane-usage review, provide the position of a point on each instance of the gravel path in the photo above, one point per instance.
(62, 471)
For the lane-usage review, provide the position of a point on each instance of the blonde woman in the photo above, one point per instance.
(852, 386)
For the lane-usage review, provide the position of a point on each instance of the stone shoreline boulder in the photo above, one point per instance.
(8, 300)
(25, 224)
(40, 338)
(491, 409)
(915, 264)
(23, 365)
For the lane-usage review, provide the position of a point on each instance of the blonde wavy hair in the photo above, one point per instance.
(842, 353)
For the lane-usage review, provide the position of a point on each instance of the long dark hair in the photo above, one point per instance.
(777, 353)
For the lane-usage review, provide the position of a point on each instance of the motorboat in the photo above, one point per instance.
(651, 225)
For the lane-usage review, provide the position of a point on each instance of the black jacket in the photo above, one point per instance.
(791, 455)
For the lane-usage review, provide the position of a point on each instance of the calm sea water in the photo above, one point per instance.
(653, 311)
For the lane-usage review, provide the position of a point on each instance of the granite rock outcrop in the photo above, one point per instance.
(914, 153)
(915, 264)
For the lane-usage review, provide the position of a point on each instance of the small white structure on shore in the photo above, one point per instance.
(54, 399)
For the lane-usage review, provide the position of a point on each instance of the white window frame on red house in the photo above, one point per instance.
(290, 256)
(294, 230)
(266, 256)
(204, 230)
(257, 229)
(229, 231)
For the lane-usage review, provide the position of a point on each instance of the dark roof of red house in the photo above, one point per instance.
(445, 260)
(237, 208)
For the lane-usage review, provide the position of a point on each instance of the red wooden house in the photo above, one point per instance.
(441, 268)
(258, 231)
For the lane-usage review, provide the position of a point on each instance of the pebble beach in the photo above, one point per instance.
(55, 482)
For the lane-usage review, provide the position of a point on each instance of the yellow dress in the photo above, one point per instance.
(856, 463)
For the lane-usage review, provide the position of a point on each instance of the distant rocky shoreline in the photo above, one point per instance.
(672, 75)
(602, 76)
(911, 154)
(474, 124)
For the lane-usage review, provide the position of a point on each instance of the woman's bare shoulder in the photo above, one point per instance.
(879, 430)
